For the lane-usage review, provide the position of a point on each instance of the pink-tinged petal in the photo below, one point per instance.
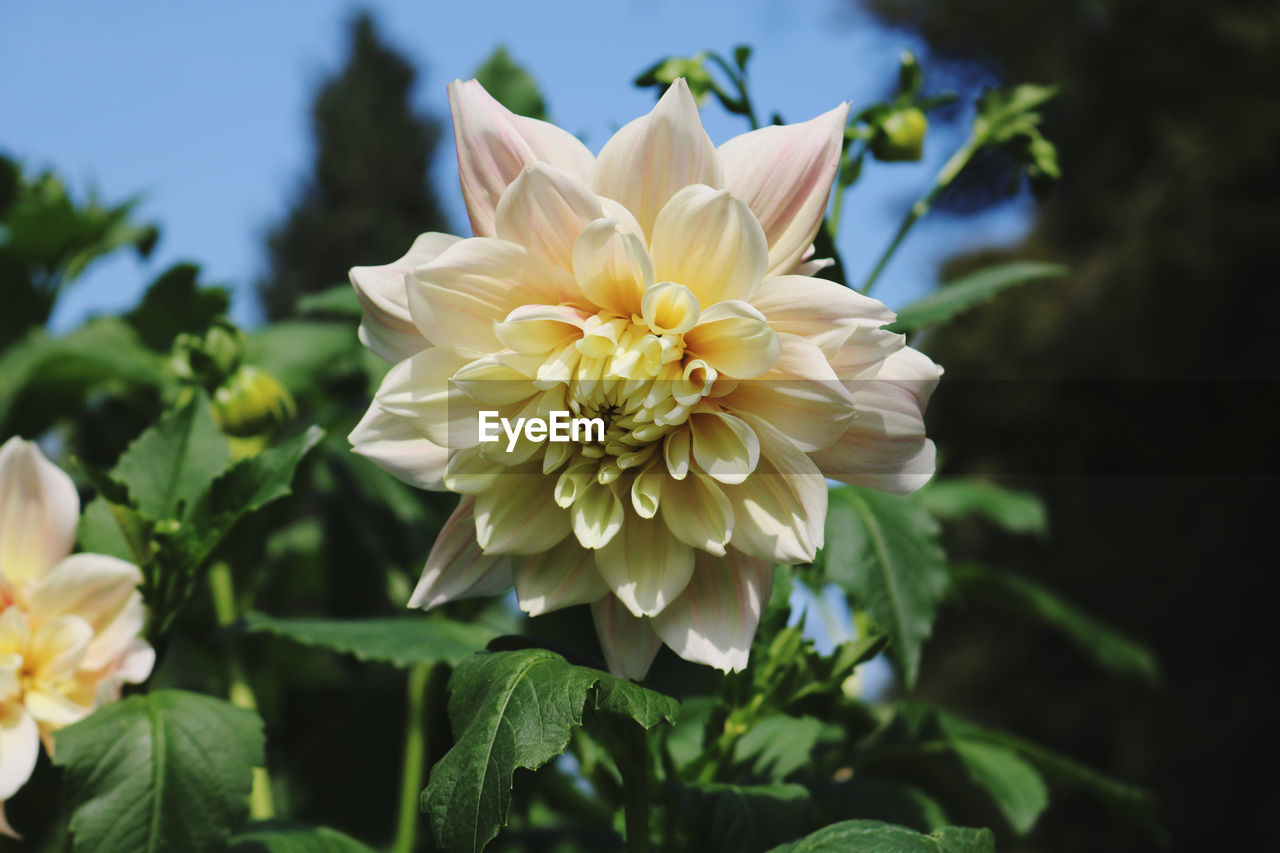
(885, 447)
(39, 509)
(456, 567)
(132, 667)
(560, 577)
(19, 748)
(723, 445)
(393, 445)
(779, 511)
(645, 565)
(735, 339)
(494, 145)
(801, 395)
(715, 619)
(628, 642)
(93, 586)
(784, 174)
(518, 515)
(456, 299)
(822, 312)
(711, 243)
(386, 326)
(697, 513)
(655, 156)
(612, 266)
(544, 210)
(6, 828)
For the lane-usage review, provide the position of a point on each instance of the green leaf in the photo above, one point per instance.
(956, 297)
(304, 354)
(1106, 646)
(169, 770)
(883, 550)
(337, 301)
(175, 303)
(961, 497)
(172, 463)
(1005, 113)
(778, 745)
(401, 642)
(515, 709)
(114, 530)
(870, 836)
(1015, 786)
(511, 85)
(743, 818)
(280, 837)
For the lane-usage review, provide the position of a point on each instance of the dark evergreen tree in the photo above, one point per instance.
(369, 194)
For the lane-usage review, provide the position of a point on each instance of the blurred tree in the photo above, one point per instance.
(369, 195)
(1136, 369)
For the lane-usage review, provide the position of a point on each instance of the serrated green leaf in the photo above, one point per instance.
(870, 836)
(1106, 646)
(175, 303)
(628, 699)
(514, 709)
(961, 497)
(279, 837)
(172, 463)
(338, 301)
(401, 642)
(1015, 786)
(108, 529)
(742, 818)
(511, 85)
(956, 297)
(169, 770)
(884, 551)
(778, 745)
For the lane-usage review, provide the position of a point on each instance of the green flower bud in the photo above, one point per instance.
(900, 136)
(251, 402)
(209, 360)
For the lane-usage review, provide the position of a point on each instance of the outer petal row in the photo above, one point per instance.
(39, 508)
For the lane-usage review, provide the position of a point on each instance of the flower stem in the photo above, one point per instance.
(946, 175)
(415, 751)
(635, 788)
(240, 692)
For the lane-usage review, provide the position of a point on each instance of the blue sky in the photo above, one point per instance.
(203, 109)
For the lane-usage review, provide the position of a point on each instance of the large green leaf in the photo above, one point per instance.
(172, 463)
(402, 642)
(168, 770)
(1014, 785)
(743, 818)
(516, 709)
(960, 497)
(870, 836)
(883, 550)
(968, 291)
(279, 837)
(1109, 648)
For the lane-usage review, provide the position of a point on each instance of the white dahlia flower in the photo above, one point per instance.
(69, 623)
(663, 287)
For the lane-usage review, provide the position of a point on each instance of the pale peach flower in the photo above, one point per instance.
(665, 286)
(69, 624)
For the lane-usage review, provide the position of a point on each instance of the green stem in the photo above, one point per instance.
(740, 83)
(415, 752)
(635, 789)
(240, 692)
(946, 175)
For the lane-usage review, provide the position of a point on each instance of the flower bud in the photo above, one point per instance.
(209, 360)
(251, 402)
(900, 136)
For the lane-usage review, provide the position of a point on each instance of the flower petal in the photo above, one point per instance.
(54, 710)
(735, 339)
(118, 638)
(19, 748)
(885, 446)
(58, 647)
(779, 511)
(456, 567)
(544, 210)
(822, 312)
(697, 513)
(596, 514)
(517, 515)
(560, 577)
(711, 243)
(612, 266)
(456, 299)
(39, 508)
(645, 565)
(784, 174)
(393, 445)
(723, 445)
(418, 389)
(653, 157)
(386, 327)
(539, 329)
(494, 144)
(715, 618)
(94, 587)
(628, 642)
